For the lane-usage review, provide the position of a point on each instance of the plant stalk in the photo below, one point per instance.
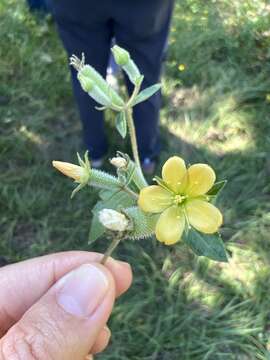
(130, 192)
(133, 140)
(111, 248)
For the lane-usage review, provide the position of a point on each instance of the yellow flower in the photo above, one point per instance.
(181, 67)
(180, 198)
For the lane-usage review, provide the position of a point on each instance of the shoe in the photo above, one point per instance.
(97, 163)
(148, 166)
(112, 81)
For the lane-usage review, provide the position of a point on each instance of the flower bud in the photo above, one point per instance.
(119, 162)
(113, 220)
(121, 56)
(81, 174)
(78, 173)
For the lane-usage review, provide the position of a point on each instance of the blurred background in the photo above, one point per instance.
(216, 109)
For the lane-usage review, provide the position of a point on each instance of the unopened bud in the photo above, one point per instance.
(81, 174)
(121, 56)
(75, 172)
(119, 162)
(113, 220)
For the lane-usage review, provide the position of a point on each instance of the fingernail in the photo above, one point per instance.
(81, 291)
(108, 331)
(120, 264)
(123, 263)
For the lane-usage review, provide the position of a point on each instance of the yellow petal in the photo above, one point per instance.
(73, 171)
(203, 216)
(154, 199)
(173, 173)
(200, 179)
(170, 226)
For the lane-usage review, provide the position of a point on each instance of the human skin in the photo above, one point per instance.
(57, 306)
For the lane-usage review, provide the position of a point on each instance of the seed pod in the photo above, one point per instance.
(103, 180)
(94, 84)
(122, 58)
(143, 225)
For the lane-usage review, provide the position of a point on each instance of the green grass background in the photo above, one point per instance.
(217, 111)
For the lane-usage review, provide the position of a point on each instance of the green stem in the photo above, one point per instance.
(134, 94)
(130, 192)
(133, 138)
(102, 180)
(111, 248)
(131, 127)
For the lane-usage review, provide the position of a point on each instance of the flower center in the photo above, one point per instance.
(178, 199)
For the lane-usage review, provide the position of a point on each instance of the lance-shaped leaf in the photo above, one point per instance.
(217, 187)
(96, 229)
(146, 93)
(209, 245)
(121, 124)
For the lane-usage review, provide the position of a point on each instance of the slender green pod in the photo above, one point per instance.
(122, 58)
(94, 84)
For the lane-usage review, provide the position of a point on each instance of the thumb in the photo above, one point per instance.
(66, 321)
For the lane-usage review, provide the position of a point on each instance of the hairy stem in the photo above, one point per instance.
(111, 248)
(134, 94)
(130, 192)
(133, 139)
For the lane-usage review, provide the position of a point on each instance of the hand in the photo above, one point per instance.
(56, 307)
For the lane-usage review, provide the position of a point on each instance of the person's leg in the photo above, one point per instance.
(142, 28)
(84, 28)
(39, 5)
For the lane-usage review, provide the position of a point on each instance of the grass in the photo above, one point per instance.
(216, 110)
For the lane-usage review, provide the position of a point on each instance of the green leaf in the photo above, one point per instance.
(116, 199)
(209, 245)
(146, 93)
(217, 187)
(96, 229)
(121, 124)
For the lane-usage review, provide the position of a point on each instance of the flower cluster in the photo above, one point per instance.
(178, 207)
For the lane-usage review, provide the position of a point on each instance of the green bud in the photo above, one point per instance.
(86, 84)
(121, 56)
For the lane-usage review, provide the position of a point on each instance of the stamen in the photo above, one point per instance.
(178, 199)
(76, 62)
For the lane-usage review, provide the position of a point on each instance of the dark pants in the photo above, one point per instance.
(40, 5)
(141, 27)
